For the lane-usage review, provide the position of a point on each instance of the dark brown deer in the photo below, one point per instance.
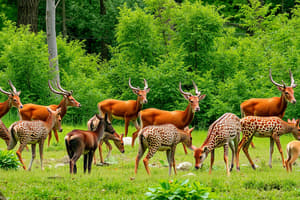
(80, 142)
(33, 132)
(39, 112)
(4, 133)
(127, 110)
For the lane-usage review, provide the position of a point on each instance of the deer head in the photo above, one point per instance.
(193, 100)
(13, 96)
(287, 91)
(56, 118)
(200, 155)
(142, 94)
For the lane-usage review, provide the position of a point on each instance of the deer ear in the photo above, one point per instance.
(202, 97)
(49, 110)
(191, 130)
(205, 149)
(297, 123)
(147, 90)
(280, 89)
(289, 121)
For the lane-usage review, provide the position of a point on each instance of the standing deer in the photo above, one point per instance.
(115, 137)
(161, 138)
(180, 119)
(274, 106)
(127, 110)
(4, 133)
(12, 101)
(224, 132)
(80, 142)
(33, 132)
(38, 112)
(272, 127)
(293, 152)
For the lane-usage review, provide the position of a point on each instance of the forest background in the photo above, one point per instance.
(227, 47)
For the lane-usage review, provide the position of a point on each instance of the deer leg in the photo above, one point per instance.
(173, 159)
(32, 156)
(126, 126)
(240, 146)
(226, 158)
(184, 149)
(151, 152)
(141, 152)
(245, 149)
(276, 138)
(109, 149)
(49, 137)
(19, 152)
(169, 158)
(56, 135)
(233, 153)
(41, 149)
(252, 145)
(135, 134)
(271, 151)
(85, 162)
(90, 159)
(291, 162)
(212, 159)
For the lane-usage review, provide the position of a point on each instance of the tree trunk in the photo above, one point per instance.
(51, 38)
(64, 27)
(28, 13)
(104, 49)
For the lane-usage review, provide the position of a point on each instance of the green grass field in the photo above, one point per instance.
(116, 181)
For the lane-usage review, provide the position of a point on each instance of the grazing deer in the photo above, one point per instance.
(80, 142)
(161, 138)
(274, 106)
(38, 112)
(12, 101)
(4, 133)
(33, 132)
(115, 137)
(127, 110)
(293, 152)
(224, 132)
(272, 127)
(180, 119)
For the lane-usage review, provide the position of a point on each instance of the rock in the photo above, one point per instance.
(59, 165)
(190, 174)
(127, 140)
(184, 166)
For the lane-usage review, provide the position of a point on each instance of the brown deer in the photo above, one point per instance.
(80, 142)
(293, 152)
(180, 119)
(224, 132)
(115, 137)
(12, 101)
(39, 112)
(127, 110)
(274, 106)
(161, 138)
(4, 133)
(33, 132)
(272, 127)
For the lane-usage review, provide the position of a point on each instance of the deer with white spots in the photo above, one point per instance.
(224, 132)
(272, 127)
(161, 138)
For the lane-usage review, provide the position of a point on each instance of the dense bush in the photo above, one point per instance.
(9, 160)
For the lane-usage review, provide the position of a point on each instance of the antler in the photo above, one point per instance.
(277, 84)
(134, 88)
(54, 91)
(63, 90)
(293, 85)
(196, 89)
(146, 84)
(13, 87)
(182, 92)
(4, 92)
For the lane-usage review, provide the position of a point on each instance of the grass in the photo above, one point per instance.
(118, 181)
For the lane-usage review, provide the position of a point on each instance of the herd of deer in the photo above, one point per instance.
(158, 130)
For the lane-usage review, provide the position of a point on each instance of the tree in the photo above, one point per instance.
(28, 13)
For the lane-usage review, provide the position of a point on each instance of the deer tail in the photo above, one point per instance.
(12, 139)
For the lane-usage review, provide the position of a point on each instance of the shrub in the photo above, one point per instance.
(8, 160)
(176, 190)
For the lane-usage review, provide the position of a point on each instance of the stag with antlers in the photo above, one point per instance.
(180, 119)
(39, 112)
(127, 110)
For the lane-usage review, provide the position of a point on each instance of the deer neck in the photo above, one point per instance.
(282, 104)
(288, 128)
(63, 106)
(139, 105)
(100, 131)
(4, 107)
(188, 115)
(50, 122)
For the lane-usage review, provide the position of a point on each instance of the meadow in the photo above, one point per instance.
(118, 181)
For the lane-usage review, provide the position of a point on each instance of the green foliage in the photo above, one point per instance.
(176, 190)
(9, 160)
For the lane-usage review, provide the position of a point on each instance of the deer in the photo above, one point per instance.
(12, 101)
(115, 137)
(274, 106)
(161, 138)
(33, 132)
(127, 110)
(39, 112)
(272, 127)
(80, 142)
(180, 119)
(293, 152)
(4, 133)
(224, 132)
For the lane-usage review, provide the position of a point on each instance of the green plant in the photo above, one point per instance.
(177, 190)
(8, 160)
